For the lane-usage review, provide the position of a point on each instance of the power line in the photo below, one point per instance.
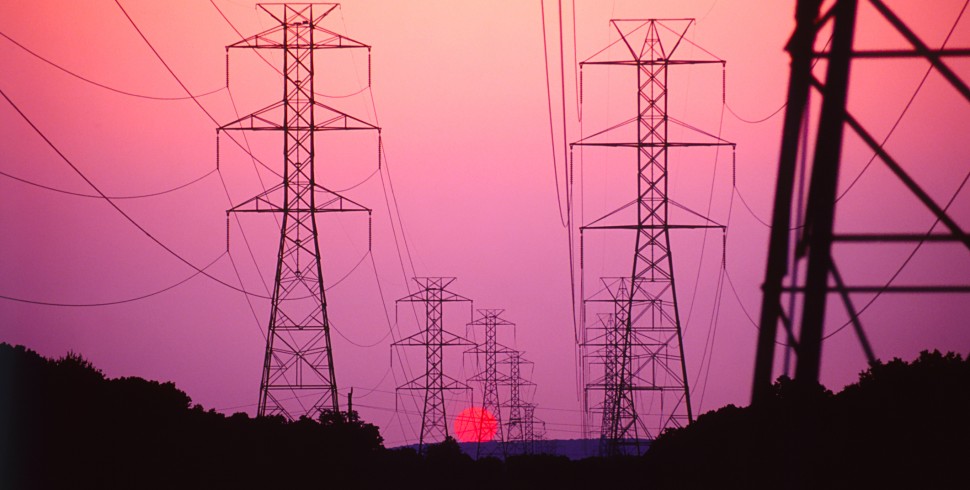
(98, 84)
(115, 206)
(905, 109)
(81, 194)
(905, 262)
(552, 131)
(115, 302)
(184, 87)
(271, 65)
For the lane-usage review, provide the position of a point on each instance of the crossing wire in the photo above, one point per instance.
(98, 84)
(81, 194)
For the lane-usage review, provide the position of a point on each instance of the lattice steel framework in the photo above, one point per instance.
(490, 378)
(638, 346)
(520, 436)
(298, 370)
(786, 290)
(434, 338)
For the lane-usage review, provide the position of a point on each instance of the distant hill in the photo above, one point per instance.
(574, 449)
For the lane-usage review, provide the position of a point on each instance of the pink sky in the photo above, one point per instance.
(459, 89)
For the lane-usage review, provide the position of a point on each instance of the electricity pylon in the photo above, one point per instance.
(490, 377)
(434, 338)
(521, 434)
(298, 369)
(786, 289)
(640, 352)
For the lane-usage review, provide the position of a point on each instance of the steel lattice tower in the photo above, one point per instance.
(298, 370)
(490, 378)
(639, 346)
(786, 289)
(521, 433)
(434, 382)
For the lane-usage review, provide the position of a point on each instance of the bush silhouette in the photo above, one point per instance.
(63, 424)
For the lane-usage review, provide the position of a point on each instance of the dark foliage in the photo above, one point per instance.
(903, 425)
(63, 424)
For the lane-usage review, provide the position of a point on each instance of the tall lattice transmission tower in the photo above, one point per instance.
(633, 350)
(433, 294)
(805, 258)
(490, 377)
(298, 369)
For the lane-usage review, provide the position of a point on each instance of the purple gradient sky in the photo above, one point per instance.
(459, 89)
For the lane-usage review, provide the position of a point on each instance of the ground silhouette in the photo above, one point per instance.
(64, 425)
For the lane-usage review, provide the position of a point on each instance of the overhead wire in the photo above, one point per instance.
(104, 86)
(919, 245)
(111, 202)
(115, 302)
(552, 131)
(390, 197)
(780, 108)
(271, 65)
(902, 266)
(122, 197)
(909, 103)
(568, 172)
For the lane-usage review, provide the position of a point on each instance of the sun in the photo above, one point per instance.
(475, 424)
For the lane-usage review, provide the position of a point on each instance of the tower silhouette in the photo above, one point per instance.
(520, 437)
(434, 338)
(490, 377)
(634, 352)
(298, 369)
(802, 272)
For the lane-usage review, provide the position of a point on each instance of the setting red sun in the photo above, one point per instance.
(475, 424)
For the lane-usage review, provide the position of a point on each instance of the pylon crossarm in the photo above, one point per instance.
(652, 227)
(697, 130)
(421, 297)
(449, 338)
(338, 117)
(900, 53)
(259, 203)
(652, 62)
(668, 144)
(303, 10)
(335, 202)
(272, 38)
(261, 40)
(327, 119)
(412, 340)
(449, 383)
(255, 121)
(327, 201)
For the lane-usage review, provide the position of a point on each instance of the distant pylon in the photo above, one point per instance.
(520, 435)
(638, 352)
(802, 270)
(490, 378)
(434, 382)
(298, 369)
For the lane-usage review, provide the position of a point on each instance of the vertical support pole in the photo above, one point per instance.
(821, 196)
(800, 46)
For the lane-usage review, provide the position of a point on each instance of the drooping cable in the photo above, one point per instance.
(552, 131)
(118, 301)
(98, 84)
(133, 196)
(111, 202)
